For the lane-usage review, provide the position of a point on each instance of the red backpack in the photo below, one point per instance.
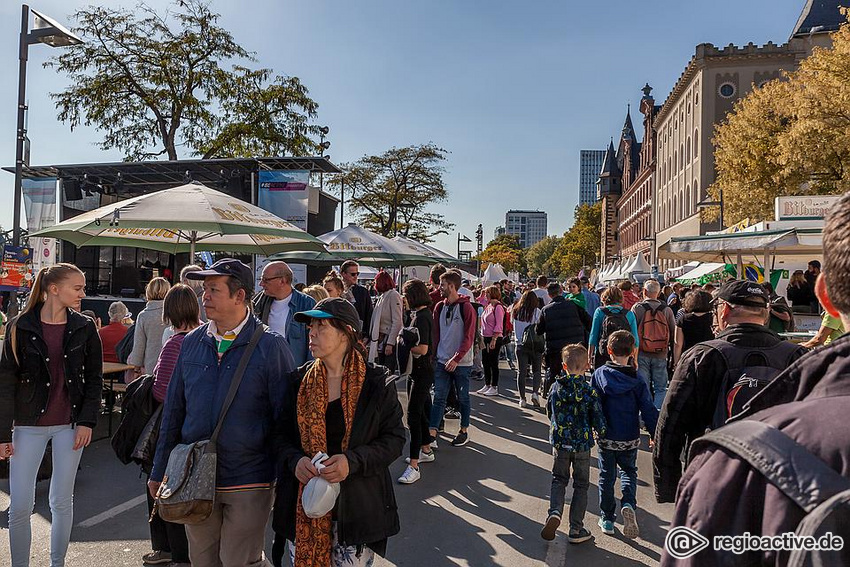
(654, 329)
(507, 323)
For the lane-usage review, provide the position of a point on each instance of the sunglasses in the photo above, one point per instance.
(267, 280)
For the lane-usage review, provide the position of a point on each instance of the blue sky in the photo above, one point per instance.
(512, 89)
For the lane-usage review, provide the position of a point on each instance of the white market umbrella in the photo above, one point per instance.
(426, 250)
(185, 219)
(356, 243)
(640, 265)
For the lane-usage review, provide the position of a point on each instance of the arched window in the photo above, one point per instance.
(689, 151)
(688, 201)
(675, 209)
(675, 162)
(696, 144)
(682, 153)
(696, 192)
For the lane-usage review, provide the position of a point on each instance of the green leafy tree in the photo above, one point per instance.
(787, 137)
(541, 258)
(581, 243)
(391, 192)
(154, 82)
(505, 250)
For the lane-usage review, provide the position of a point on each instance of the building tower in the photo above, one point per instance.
(609, 187)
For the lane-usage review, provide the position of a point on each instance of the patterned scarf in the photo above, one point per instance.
(313, 536)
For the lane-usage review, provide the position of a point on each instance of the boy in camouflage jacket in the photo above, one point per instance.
(575, 412)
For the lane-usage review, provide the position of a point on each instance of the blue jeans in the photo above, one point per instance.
(30, 443)
(442, 382)
(654, 371)
(609, 462)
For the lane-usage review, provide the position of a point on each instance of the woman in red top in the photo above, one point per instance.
(112, 334)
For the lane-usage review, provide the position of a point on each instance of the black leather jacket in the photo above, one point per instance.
(366, 509)
(25, 385)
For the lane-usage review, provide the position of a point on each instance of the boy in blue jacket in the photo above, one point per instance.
(624, 396)
(574, 411)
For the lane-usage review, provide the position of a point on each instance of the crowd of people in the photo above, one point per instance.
(305, 379)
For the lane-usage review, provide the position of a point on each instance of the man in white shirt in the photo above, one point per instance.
(278, 303)
(542, 292)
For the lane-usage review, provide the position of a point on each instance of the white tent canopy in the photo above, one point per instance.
(705, 269)
(494, 273)
(640, 265)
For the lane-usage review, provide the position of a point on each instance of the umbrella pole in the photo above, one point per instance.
(192, 239)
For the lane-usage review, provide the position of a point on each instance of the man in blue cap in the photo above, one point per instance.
(234, 534)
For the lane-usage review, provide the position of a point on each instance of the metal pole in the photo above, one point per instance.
(721, 210)
(21, 132)
(341, 203)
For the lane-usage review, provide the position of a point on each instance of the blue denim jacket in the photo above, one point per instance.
(197, 391)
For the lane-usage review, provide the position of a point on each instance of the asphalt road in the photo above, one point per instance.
(478, 505)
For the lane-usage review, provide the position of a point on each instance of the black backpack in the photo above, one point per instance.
(748, 371)
(614, 321)
(125, 345)
(814, 486)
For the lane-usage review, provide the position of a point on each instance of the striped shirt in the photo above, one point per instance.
(165, 365)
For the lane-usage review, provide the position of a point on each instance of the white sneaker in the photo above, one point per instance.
(523, 404)
(434, 444)
(423, 457)
(410, 475)
(535, 400)
(483, 390)
(492, 391)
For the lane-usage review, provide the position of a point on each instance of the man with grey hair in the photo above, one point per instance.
(196, 285)
(276, 305)
(657, 329)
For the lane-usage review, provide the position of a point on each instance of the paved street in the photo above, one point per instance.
(478, 505)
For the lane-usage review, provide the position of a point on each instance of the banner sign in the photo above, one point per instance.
(16, 268)
(285, 194)
(812, 207)
(39, 202)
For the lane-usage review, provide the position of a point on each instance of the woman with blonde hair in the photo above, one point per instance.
(492, 326)
(317, 292)
(147, 337)
(344, 408)
(333, 284)
(50, 385)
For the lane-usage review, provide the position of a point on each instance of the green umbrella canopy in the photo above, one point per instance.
(184, 219)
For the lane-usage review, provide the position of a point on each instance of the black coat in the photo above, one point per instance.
(689, 406)
(722, 495)
(563, 323)
(366, 509)
(25, 386)
(363, 305)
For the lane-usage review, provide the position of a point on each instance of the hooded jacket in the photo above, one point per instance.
(689, 406)
(722, 495)
(574, 412)
(462, 323)
(625, 398)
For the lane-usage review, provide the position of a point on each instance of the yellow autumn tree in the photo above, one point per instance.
(789, 137)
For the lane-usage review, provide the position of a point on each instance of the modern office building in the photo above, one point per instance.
(590, 167)
(529, 226)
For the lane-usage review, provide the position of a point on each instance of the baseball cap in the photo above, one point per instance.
(227, 267)
(331, 308)
(739, 292)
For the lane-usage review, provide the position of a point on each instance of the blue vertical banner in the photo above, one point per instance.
(285, 194)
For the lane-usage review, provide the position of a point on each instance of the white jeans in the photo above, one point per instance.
(30, 443)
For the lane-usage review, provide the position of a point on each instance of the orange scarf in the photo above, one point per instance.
(313, 536)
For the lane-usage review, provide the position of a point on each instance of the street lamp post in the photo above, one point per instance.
(50, 33)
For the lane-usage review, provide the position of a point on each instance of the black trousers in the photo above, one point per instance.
(490, 360)
(553, 368)
(167, 536)
(419, 413)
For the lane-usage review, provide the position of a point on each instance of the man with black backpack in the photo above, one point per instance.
(714, 379)
(562, 323)
(783, 464)
(656, 330)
